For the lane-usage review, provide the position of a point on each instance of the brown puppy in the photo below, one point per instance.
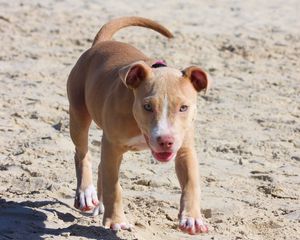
(139, 103)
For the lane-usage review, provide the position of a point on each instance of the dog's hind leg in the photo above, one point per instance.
(100, 208)
(86, 195)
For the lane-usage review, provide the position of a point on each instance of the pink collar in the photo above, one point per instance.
(159, 63)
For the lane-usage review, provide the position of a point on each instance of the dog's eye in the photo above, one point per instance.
(148, 107)
(183, 108)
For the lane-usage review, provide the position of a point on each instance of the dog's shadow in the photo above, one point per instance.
(23, 220)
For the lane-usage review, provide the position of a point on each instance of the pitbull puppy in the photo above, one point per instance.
(139, 103)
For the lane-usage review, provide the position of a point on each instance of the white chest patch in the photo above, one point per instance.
(137, 143)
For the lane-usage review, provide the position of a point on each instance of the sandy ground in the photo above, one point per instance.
(248, 127)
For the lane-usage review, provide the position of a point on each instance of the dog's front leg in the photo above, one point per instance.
(190, 219)
(111, 157)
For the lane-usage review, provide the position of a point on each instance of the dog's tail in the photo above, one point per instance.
(107, 31)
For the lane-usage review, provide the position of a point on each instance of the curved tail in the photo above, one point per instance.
(107, 31)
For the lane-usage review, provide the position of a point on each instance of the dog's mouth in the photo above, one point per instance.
(163, 156)
(160, 156)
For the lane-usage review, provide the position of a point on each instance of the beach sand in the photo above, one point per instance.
(248, 124)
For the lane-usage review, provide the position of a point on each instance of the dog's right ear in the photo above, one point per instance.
(132, 75)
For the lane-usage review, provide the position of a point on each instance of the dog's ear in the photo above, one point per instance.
(200, 79)
(132, 75)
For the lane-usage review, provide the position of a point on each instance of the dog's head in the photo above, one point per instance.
(164, 103)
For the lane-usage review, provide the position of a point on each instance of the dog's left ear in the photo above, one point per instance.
(132, 75)
(200, 79)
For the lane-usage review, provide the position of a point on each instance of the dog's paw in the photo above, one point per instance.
(120, 226)
(193, 225)
(86, 199)
(117, 223)
(99, 209)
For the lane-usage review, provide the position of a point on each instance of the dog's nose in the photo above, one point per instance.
(166, 141)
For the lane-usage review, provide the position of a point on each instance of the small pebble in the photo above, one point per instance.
(66, 234)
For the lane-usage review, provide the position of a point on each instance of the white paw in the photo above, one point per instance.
(193, 226)
(120, 226)
(99, 209)
(86, 199)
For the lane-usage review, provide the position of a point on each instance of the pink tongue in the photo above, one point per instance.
(163, 156)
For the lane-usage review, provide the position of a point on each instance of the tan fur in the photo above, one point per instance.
(109, 84)
(107, 31)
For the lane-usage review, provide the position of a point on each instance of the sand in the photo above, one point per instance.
(248, 125)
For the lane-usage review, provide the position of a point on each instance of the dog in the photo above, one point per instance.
(139, 103)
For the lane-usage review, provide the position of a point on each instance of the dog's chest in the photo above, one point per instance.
(136, 143)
